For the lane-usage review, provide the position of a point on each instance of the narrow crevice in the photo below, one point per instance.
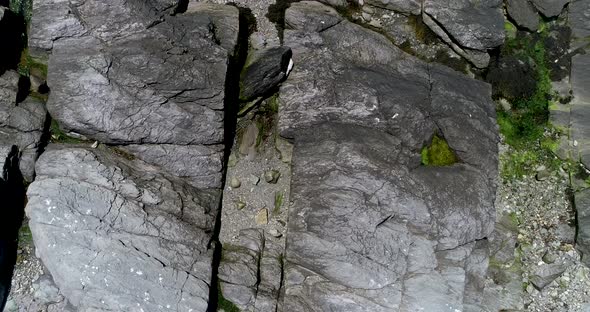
(231, 100)
(12, 192)
(181, 7)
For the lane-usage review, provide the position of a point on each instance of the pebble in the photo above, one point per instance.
(261, 217)
(275, 233)
(272, 176)
(254, 179)
(235, 182)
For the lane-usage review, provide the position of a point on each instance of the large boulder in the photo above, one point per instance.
(471, 27)
(118, 235)
(139, 76)
(265, 70)
(370, 228)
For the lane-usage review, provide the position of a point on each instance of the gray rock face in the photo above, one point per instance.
(550, 8)
(370, 229)
(547, 273)
(523, 13)
(471, 27)
(582, 200)
(200, 165)
(405, 6)
(137, 76)
(267, 69)
(116, 234)
(20, 126)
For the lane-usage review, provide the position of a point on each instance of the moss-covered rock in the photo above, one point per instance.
(438, 153)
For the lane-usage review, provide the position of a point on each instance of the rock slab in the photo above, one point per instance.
(117, 234)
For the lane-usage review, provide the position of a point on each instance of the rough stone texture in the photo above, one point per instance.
(370, 229)
(523, 13)
(139, 77)
(265, 71)
(582, 200)
(250, 248)
(201, 165)
(580, 109)
(20, 125)
(117, 234)
(547, 273)
(470, 27)
(404, 6)
(550, 8)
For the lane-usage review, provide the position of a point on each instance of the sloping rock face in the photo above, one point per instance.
(118, 235)
(136, 75)
(370, 228)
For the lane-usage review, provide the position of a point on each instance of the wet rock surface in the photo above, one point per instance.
(118, 235)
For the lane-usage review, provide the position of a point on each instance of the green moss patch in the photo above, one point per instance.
(59, 136)
(438, 153)
(224, 304)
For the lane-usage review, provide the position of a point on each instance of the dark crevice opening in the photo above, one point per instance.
(181, 7)
(231, 100)
(12, 192)
(13, 38)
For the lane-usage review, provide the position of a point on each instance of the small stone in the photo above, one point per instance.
(376, 23)
(366, 16)
(530, 289)
(235, 182)
(240, 205)
(232, 160)
(542, 175)
(95, 144)
(272, 176)
(275, 233)
(549, 257)
(261, 217)
(254, 179)
(285, 149)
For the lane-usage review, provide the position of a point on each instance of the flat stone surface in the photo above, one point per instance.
(116, 234)
(473, 24)
(523, 13)
(550, 8)
(369, 228)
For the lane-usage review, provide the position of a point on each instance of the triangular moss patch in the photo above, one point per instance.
(438, 153)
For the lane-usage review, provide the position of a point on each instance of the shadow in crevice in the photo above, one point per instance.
(12, 192)
(12, 30)
(232, 93)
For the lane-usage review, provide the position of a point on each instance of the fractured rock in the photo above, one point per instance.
(544, 274)
(470, 27)
(365, 217)
(582, 204)
(117, 234)
(523, 13)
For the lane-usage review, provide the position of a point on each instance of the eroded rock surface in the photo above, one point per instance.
(370, 228)
(117, 234)
(137, 75)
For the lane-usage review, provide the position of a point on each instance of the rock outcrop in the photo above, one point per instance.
(139, 76)
(126, 225)
(370, 228)
(117, 234)
(470, 27)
